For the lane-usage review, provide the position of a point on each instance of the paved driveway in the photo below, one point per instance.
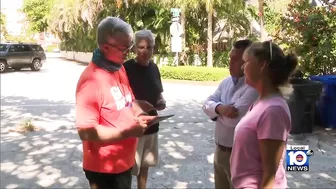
(51, 157)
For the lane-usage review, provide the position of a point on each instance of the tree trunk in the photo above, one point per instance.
(210, 37)
(184, 58)
(183, 24)
(261, 20)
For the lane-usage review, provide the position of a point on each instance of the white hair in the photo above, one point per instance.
(110, 27)
(144, 35)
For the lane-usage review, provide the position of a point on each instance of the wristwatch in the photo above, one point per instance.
(216, 109)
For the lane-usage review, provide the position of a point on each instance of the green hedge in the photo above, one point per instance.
(193, 73)
(51, 48)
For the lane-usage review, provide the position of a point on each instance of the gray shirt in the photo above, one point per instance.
(239, 95)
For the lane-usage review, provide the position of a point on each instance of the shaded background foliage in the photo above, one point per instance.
(211, 26)
(78, 35)
(310, 33)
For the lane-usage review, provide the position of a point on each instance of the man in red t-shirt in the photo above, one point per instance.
(108, 119)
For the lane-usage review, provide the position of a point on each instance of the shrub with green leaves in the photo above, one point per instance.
(310, 32)
(193, 73)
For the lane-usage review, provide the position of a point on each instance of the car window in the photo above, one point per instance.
(40, 48)
(37, 48)
(16, 48)
(26, 48)
(34, 47)
(11, 49)
(3, 47)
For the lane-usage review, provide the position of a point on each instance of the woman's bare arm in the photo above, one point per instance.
(271, 153)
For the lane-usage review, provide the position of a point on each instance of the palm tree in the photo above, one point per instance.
(69, 17)
(210, 10)
(261, 19)
(234, 23)
(212, 6)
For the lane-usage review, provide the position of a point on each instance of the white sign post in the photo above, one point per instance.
(176, 44)
(176, 40)
(176, 31)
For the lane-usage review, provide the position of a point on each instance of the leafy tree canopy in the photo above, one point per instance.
(37, 13)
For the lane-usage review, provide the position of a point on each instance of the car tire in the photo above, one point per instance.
(36, 65)
(3, 66)
(17, 68)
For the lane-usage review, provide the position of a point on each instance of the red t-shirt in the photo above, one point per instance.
(102, 98)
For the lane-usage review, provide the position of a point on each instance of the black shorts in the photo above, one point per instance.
(109, 181)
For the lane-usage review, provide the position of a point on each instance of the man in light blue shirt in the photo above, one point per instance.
(227, 106)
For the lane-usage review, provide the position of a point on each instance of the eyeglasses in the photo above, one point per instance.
(124, 51)
(143, 48)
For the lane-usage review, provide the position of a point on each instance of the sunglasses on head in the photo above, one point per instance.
(270, 49)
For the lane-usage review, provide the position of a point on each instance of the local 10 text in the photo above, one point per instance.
(297, 157)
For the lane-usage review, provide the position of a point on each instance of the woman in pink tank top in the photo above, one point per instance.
(261, 135)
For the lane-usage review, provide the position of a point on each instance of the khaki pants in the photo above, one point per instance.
(222, 169)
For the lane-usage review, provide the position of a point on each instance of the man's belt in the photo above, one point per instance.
(224, 148)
